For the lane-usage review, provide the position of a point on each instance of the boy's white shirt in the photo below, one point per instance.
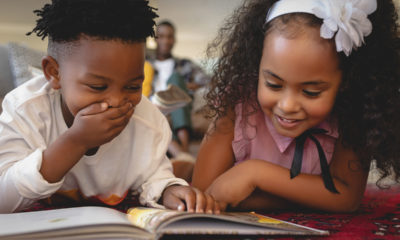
(32, 119)
(165, 69)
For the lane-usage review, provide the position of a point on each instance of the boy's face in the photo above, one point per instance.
(165, 40)
(298, 82)
(99, 71)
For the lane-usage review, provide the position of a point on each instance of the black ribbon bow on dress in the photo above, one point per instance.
(298, 157)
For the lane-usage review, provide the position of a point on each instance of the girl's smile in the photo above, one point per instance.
(287, 123)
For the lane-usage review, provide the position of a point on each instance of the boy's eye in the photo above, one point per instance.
(311, 93)
(134, 87)
(98, 87)
(273, 86)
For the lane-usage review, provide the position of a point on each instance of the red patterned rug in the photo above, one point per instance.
(377, 218)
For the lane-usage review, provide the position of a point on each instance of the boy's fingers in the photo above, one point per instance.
(94, 109)
(196, 201)
(177, 204)
(181, 206)
(172, 201)
(122, 111)
(123, 120)
(190, 199)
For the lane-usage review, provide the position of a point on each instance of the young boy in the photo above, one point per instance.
(83, 129)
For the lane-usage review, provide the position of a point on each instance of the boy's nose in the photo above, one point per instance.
(116, 100)
(289, 103)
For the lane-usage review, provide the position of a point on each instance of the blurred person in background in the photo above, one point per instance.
(186, 75)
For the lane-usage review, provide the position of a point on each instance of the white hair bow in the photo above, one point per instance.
(348, 19)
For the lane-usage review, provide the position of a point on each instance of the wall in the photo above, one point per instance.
(16, 19)
(196, 21)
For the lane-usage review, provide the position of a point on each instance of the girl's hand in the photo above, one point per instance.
(234, 185)
(175, 197)
(98, 124)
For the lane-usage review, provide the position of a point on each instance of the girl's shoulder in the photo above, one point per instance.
(248, 122)
(246, 116)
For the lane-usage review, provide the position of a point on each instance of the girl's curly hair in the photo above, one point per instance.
(367, 106)
(66, 20)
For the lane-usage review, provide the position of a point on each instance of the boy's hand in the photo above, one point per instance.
(234, 185)
(175, 197)
(98, 124)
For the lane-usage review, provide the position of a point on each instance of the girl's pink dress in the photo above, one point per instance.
(259, 140)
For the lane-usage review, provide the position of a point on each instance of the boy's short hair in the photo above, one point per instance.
(166, 23)
(66, 21)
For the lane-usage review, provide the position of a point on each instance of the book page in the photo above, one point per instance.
(150, 218)
(51, 220)
(175, 222)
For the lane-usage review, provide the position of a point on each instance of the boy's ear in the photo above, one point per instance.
(50, 70)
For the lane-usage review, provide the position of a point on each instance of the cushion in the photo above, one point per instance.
(1, 104)
(6, 77)
(21, 60)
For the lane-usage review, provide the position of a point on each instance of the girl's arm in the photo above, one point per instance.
(306, 189)
(261, 201)
(215, 154)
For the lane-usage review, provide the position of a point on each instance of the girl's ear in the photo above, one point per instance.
(50, 70)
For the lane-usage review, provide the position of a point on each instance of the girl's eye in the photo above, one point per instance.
(273, 86)
(311, 93)
(98, 87)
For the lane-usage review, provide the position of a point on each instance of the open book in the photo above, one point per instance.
(140, 223)
(170, 99)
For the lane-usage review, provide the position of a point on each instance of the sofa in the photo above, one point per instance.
(18, 63)
(6, 76)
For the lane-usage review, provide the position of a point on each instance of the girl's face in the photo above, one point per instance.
(298, 80)
(101, 71)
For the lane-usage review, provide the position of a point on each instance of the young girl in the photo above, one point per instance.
(305, 95)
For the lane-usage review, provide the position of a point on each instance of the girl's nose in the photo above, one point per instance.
(289, 103)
